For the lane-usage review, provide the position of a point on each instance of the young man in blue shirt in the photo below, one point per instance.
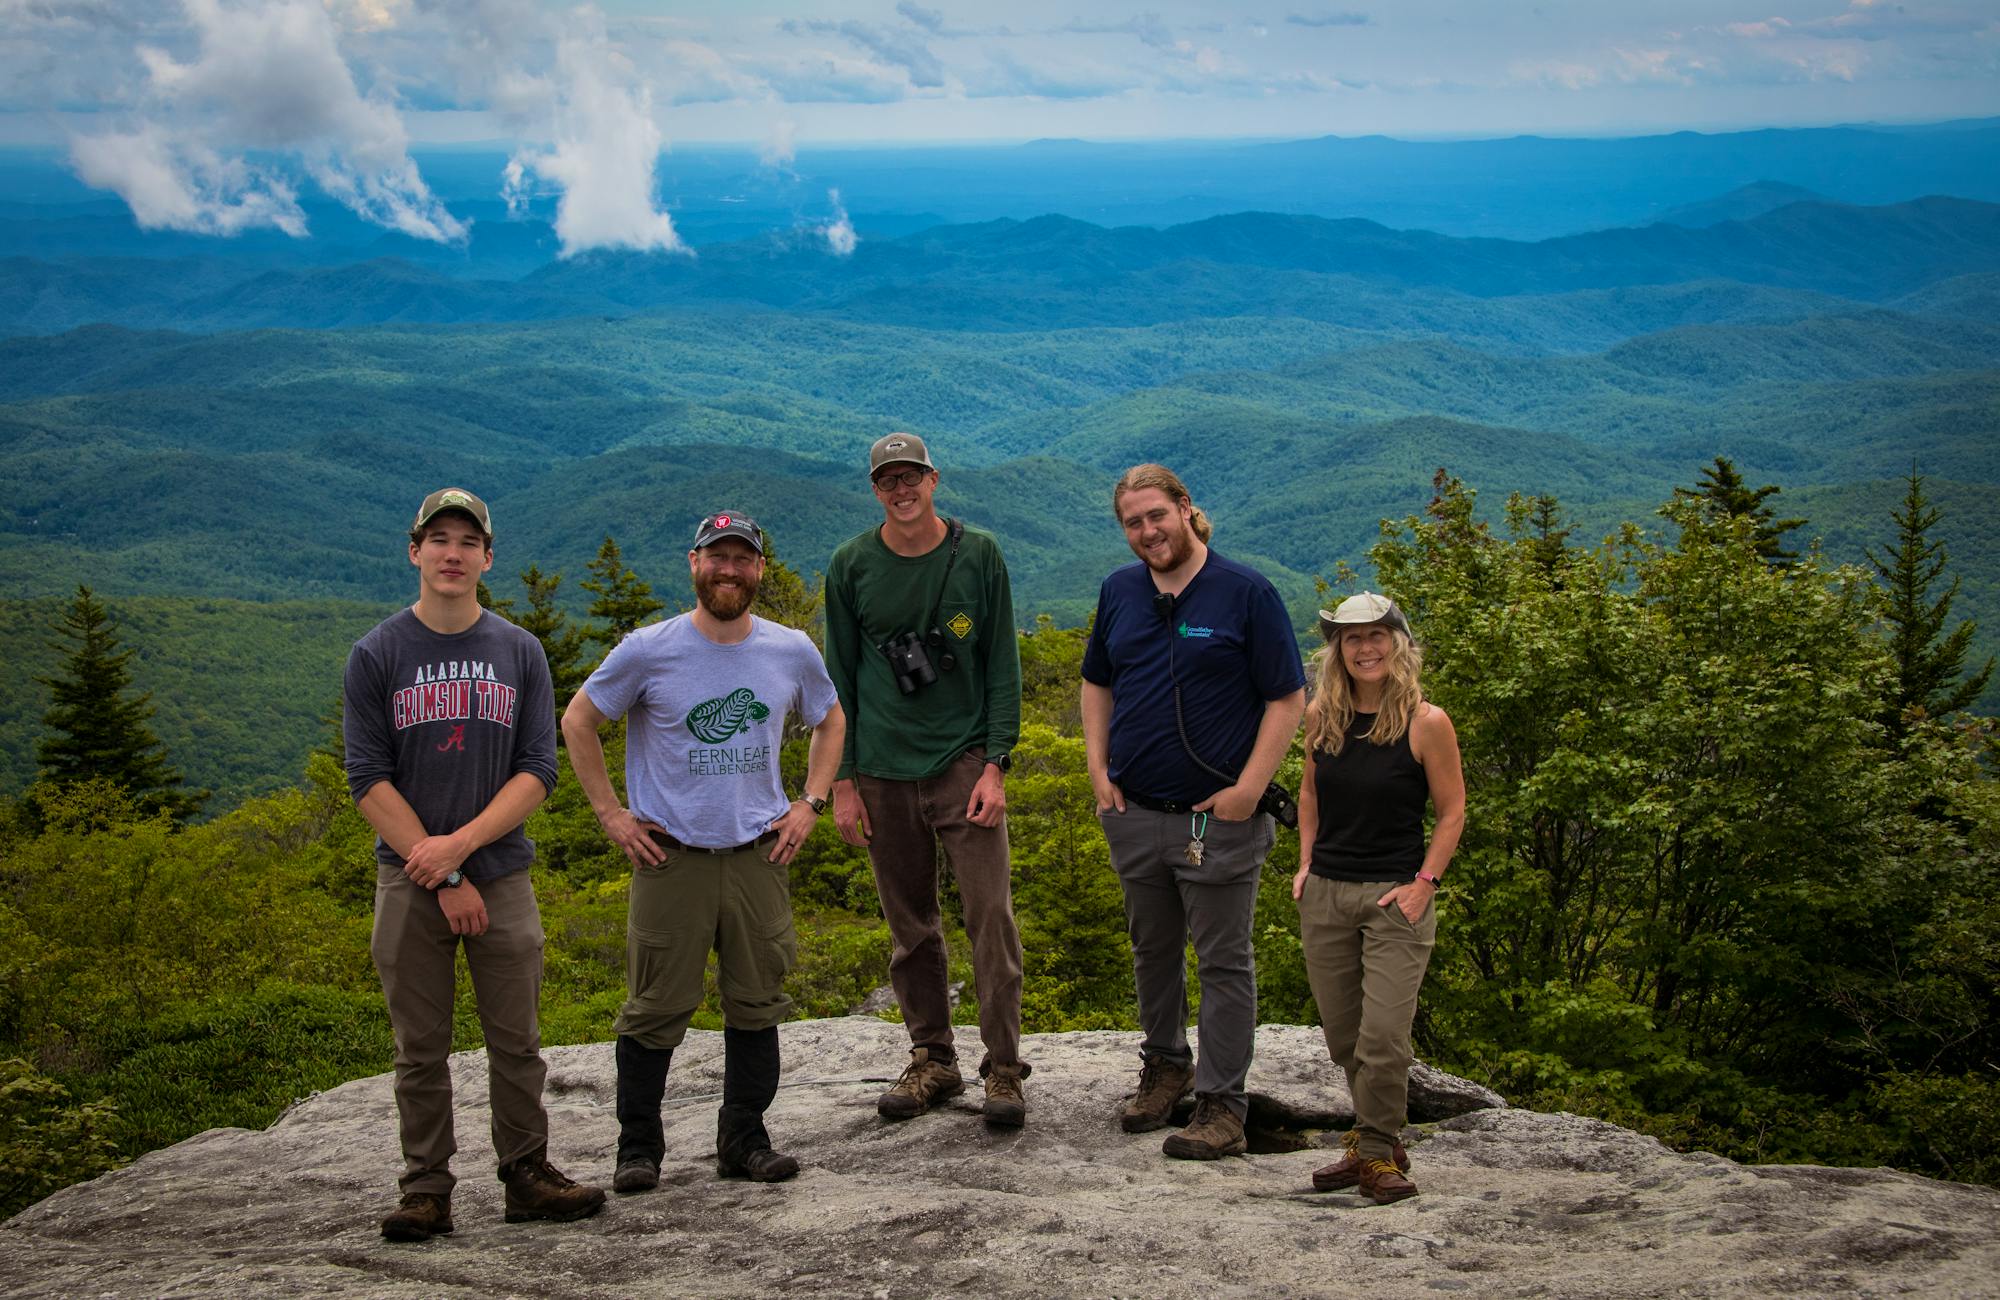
(1192, 690)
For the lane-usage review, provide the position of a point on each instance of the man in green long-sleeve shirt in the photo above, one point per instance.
(920, 643)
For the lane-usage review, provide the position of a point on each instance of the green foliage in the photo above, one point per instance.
(1700, 890)
(47, 1141)
(1722, 491)
(785, 597)
(561, 643)
(96, 731)
(622, 599)
(1931, 678)
(1071, 912)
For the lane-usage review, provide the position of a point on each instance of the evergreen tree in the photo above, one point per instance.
(96, 730)
(562, 643)
(504, 608)
(623, 599)
(1722, 491)
(1549, 535)
(784, 597)
(1930, 663)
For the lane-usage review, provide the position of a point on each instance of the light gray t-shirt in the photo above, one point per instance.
(704, 722)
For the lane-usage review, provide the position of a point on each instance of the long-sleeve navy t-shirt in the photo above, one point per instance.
(448, 718)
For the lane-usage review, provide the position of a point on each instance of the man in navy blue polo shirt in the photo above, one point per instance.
(1192, 689)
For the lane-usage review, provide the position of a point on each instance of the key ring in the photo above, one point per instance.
(1197, 834)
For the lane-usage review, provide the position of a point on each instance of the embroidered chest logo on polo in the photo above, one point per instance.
(729, 715)
(960, 625)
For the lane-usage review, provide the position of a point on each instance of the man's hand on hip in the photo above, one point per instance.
(793, 828)
(633, 836)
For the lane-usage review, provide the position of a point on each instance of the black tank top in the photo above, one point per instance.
(1371, 809)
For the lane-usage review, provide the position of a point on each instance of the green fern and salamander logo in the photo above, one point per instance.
(726, 716)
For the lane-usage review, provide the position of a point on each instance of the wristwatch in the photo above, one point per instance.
(814, 802)
(1436, 882)
(1005, 762)
(454, 880)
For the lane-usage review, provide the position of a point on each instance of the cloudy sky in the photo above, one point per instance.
(168, 101)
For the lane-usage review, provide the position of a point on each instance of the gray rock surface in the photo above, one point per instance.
(1514, 1203)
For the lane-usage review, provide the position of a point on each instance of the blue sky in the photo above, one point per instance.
(166, 101)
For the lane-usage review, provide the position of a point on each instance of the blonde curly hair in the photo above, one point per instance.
(1331, 711)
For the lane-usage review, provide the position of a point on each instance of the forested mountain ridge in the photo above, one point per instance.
(1045, 271)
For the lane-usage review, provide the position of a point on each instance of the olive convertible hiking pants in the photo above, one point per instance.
(738, 904)
(1366, 963)
(414, 951)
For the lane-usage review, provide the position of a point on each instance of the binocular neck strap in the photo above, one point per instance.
(956, 528)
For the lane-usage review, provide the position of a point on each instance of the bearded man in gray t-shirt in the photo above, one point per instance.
(710, 833)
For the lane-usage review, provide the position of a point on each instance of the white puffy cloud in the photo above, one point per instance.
(839, 233)
(265, 75)
(175, 184)
(606, 145)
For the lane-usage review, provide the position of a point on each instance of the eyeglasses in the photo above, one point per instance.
(907, 477)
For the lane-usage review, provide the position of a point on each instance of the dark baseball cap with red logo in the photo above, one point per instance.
(728, 523)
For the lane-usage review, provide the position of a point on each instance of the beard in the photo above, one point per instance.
(1180, 545)
(729, 603)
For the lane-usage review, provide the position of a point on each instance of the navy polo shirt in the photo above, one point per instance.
(1232, 649)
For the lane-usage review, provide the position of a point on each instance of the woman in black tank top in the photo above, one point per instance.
(1375, 752)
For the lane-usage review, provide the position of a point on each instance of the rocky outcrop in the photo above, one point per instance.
(1514, 1203)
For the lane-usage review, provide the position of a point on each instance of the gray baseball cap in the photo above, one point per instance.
(452, 498)
(728, 523)
(898, 449)
(1358, 611)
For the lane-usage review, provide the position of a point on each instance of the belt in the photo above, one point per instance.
(662, 837)
(1157, 805)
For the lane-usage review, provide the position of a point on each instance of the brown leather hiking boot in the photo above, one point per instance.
(1346, 1171)
(536, 1189)
(1381, 1182)
(1214, 1132)
(1005, 1103)
(1162, 1084)
(419, 1217)
(925, 1081)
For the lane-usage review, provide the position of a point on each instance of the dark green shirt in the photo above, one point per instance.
(872, 594)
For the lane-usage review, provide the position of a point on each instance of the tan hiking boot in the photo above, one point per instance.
(1162, 1084)
(1006, 1105)
(1346, 1171)
(925, 1081)
(536, 1189)
(420, 1216)
(1214, 1132)
(1381, 1182)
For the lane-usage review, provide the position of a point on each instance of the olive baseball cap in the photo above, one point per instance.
(1358, 611)
(727, 523)
(452, 498)
(898, 449)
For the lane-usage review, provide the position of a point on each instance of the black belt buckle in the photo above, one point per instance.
(1158, 805)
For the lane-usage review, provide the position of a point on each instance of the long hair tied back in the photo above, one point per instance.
(1141, 477)
(1331, 711)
